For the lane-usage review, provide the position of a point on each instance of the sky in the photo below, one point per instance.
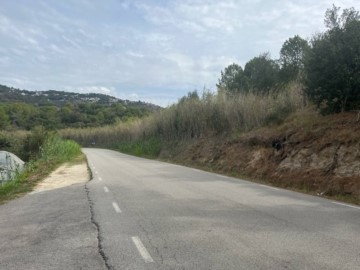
(150, 50)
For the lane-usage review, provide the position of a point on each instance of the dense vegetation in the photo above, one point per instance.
(328, 67)
(194, 117)
(43, 152)
(332, 64)
(21, 109)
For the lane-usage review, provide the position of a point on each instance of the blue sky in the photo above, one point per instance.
(149, 50)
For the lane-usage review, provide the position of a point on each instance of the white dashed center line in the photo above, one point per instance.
(100, 179)
(116, 207)
(142, 250)
(106, 189)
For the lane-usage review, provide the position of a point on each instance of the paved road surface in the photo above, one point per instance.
(51, 229)
(154, 215)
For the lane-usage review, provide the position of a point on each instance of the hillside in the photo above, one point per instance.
(60, 98)
(308, 152)
(23, 109)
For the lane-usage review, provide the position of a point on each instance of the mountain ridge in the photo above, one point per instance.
(60, 98)
(24, 109)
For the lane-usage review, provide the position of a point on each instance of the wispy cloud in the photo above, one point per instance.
(150, 50)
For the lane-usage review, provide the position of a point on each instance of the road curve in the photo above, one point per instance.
(155, 215)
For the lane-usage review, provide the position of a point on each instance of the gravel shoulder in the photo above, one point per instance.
(64, 176)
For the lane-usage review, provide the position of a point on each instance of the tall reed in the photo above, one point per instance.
(193, 117)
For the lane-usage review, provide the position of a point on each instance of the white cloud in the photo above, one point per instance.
(135, 54)
(146, 48)
(56, 49)
(92, 89)
(72, 42)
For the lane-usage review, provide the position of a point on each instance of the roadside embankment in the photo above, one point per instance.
(309, 153)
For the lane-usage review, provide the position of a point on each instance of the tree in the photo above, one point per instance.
(292, 58)
(232, 80)
(262, 73)
(332, 65)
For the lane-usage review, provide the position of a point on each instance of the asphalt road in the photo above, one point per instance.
(51, 229)
(154, 215)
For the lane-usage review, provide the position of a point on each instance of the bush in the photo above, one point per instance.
(33, 142)
(58, 150)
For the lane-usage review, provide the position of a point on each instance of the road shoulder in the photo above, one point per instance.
(51, 227)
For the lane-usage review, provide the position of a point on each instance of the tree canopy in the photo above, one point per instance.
(232, 80)
(262, 73)
(333, 63)
(327, 68)
(292, 55)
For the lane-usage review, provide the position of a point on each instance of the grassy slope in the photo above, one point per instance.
(55, 152)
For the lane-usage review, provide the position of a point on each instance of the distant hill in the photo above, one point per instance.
(23, 109)
(60, 98)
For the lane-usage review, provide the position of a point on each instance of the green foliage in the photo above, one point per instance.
(333, 63)
(292, 58)
(149, 148)
(33, 143)
(232, 80)
(28, 116)
(53, 152)
(21, 109)
(4, 119)
(262, 73)
(57, 150)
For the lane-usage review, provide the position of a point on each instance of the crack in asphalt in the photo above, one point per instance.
(96, 224)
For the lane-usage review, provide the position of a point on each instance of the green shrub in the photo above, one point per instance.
(33, 142)
(52, 152)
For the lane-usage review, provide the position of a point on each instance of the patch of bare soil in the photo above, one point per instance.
(66, 175)
(311, 153)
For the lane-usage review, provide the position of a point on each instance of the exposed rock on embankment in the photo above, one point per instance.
(311, 153)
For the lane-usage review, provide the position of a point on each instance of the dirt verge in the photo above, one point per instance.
(309, 153)
(66, 175)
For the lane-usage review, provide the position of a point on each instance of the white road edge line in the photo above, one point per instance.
(142, 249)
(274, 188)
(116, 207)
(106, 189)
(343, 204)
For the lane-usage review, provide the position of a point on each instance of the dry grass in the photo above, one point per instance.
(193, 117)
